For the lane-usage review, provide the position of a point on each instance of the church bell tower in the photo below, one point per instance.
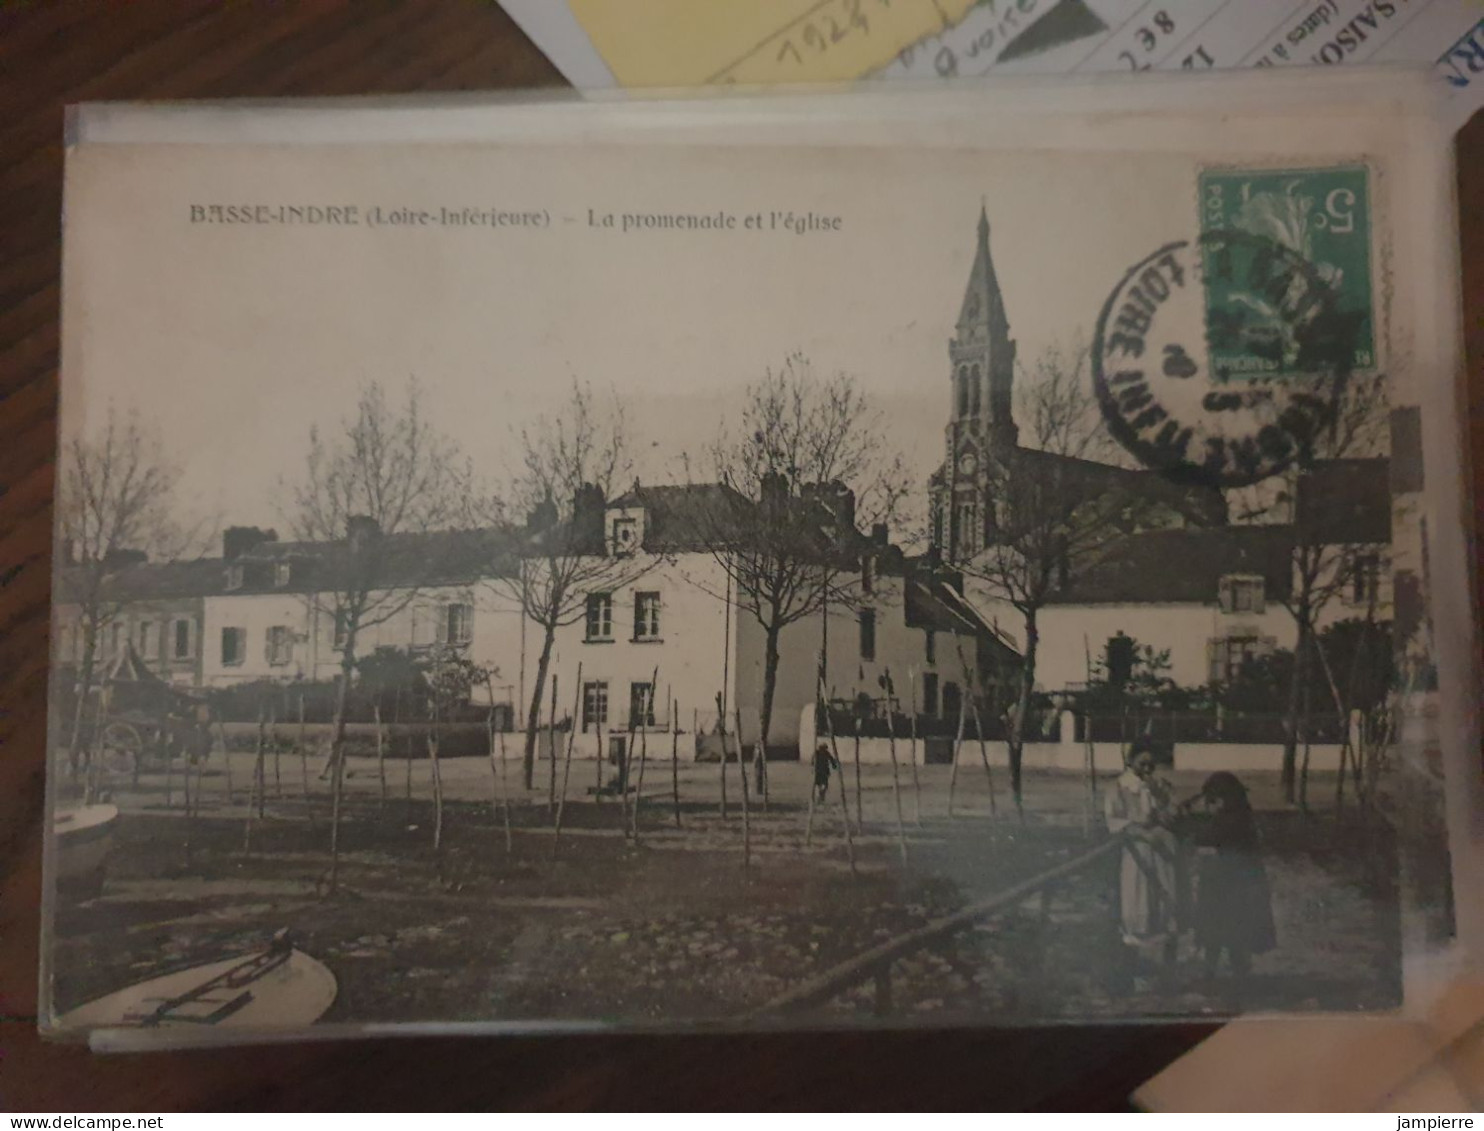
(981, 425)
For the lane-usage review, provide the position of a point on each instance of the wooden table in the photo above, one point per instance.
(51, 55)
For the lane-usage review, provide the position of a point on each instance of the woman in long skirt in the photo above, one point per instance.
(1149, 891)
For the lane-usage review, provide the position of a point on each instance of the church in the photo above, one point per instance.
(982, 439)
(1169, 569)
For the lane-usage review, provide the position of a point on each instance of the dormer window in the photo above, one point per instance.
(624, 537)
(234, 576)
(282, 571)
(1239, 594)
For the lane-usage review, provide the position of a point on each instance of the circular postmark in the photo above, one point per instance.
(1221, 361)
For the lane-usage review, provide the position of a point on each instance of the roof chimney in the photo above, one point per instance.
(238, 540)
(361, 530)
(543, 516)
(588, 508)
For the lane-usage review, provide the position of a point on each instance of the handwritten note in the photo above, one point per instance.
(686, 43)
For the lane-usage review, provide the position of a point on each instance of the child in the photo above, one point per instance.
(1234, 908)
(824, 761)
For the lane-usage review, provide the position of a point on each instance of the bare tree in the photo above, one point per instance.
(805, 467)
(1322, 568)
(369, 489)
(570, 464)
(116, 503)
(1052, 511)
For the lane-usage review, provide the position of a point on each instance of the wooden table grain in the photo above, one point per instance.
(55, 54)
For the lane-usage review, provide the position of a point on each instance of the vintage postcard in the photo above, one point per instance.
(599, 567)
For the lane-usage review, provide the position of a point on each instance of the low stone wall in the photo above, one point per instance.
(1206, 757)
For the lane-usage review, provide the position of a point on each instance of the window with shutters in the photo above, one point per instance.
(594, 705)
(458, 623)
(280, 645)
(641, 705)
(1365, 580)
(646, 616)
(1242, 594)
(599, 616)
(1228, 655)
(183, 645)
(234, 646)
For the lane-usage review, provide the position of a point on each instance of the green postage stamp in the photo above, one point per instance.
(1321, 216)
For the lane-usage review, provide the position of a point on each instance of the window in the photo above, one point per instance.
(868, 574)
(1365, 577)
(116, 640)
(966, 527)
(600, 616)
(1242, 595)
(234, 577)
(646, 616)
(930, 693)
(868, 634)
(930, 646)
(146, 638)
(1229, 654)
(625, 536)
(952, 701)
(594, 705)
(234, 646)
(641, 705)
(280, 645)
(282, 571)
(183, 644)
(342, 628)
(974, 390)
(458, 623)
(963, 391)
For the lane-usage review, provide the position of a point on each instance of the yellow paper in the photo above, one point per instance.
(697, 42)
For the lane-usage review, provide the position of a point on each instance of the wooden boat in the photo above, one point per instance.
(85, 836)
(280, 987)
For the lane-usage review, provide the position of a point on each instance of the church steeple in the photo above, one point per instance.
(981, 351)
(981, 428)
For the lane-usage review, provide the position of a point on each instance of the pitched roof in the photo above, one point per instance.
(442, 557)
(1200, 504)
(147, 581)
(1185, 566)
(688, 516)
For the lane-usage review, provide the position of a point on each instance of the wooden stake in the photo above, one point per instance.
(505, 793)
(958, 745)
(984, 753)
(896, 781)
(844, 805)
(303, 752)
(380, 749)
(746, 817)
(567, 766)
(860, 813)
(551, 726)
(254, 801)
(277, 753)
(647, 711)
(675, 758)
(721, 733)
(221, 728)
(916, 782)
